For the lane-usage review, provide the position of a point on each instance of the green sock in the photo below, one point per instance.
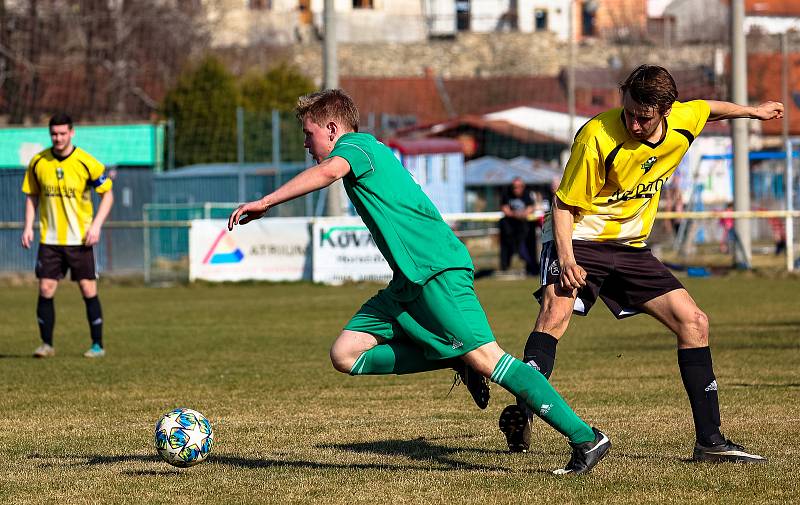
(529, 384)
(394, 357)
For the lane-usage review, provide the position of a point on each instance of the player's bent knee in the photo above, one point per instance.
(484, 359)
(701, 326)
(341, 360)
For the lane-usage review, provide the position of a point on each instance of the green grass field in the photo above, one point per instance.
(289, 429)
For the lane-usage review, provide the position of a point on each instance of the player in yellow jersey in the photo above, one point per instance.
(59, 181)
(595, 242)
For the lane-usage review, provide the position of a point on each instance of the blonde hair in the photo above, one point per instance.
(329, 105)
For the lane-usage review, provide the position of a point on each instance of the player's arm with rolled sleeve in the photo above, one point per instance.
(727, 110)
(30, 186)
(102, 184)
(583, 178)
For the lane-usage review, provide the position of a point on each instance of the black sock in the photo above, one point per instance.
(540, 351)
(701, 386)
(46, 316)
(94, 314)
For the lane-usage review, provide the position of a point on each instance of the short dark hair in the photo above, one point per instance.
(651, 86)
(59, 119)
(331, 104)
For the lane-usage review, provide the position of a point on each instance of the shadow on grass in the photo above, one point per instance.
(16, 356)
(434, 455)
(787, 385)
(419, 449)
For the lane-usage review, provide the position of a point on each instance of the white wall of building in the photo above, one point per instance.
(441, 177)
(557, 12)
(771, 24)
(386, 21)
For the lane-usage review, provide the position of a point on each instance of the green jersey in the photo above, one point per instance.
(405, 224)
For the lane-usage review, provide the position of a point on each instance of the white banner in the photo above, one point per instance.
(345, 251)
(272, 249)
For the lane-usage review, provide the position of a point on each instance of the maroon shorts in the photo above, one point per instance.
(624, 277)
(53, 261)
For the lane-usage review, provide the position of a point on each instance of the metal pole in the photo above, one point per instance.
(789, 204)
(331, 81)
(240, 153)
(276, 145)
(171, 144)
(789, 222)
(571, 68)
(741, 148)
(146, 244)
(330, 61)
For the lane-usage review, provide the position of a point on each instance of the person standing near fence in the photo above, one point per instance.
(58, 182)
(517, 232)
(595, 243)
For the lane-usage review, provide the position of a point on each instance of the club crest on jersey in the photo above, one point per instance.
(60, 173)
(647, 165)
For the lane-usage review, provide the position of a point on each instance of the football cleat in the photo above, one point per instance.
(727, 452)
(95, 352)
(44, 351)
(477, 384)
(586, 455)
(516, 426)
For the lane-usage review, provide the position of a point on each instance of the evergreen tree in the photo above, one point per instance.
(202, 106)
(277, 89)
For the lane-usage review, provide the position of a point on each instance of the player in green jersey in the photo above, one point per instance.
(428, 317)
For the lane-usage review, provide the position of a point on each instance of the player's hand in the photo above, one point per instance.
(768, 110)
(573, 276)
(92, 236)
(247, 212)
(27, 238)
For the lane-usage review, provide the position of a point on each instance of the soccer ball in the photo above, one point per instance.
(183, 437)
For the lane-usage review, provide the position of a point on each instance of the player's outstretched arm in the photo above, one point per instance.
(727, 110)
(311, 179)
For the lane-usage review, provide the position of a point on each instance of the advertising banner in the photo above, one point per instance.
(271, 249)
(344, 250)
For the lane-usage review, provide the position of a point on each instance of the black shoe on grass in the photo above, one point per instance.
(477, 385)
(727, 452)
(586, 455)
(516, 426)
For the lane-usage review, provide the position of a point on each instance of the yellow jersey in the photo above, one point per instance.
(615, 181)
(64, 186)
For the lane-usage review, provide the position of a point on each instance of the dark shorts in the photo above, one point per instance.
(53, 261)
(624, 277)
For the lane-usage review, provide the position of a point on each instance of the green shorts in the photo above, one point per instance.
(446, 320)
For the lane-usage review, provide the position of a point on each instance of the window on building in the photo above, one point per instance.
(428, 169)
(588, 12)
(540, 20)
(363, 4)
(259, 5)
(462, 15)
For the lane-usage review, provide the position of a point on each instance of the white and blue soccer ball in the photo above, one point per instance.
(183, 437)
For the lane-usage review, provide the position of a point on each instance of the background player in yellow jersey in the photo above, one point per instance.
(59, 181)
(595, 244)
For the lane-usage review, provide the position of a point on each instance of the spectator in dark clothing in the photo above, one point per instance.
(517, 233)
